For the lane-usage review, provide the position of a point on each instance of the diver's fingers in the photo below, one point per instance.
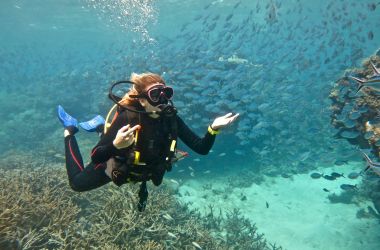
(133, 129)
(233, 118)
(124, 128)
(227, 115)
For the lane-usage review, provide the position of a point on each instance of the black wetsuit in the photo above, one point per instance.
(93, 175)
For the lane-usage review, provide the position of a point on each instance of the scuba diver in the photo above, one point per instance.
(140, 143)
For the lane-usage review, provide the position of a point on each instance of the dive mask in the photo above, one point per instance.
(158, 94)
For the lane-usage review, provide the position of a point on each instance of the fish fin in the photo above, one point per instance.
(358, 79)
(366, 157)
(359, 88)
(375, 70)
(365, 170)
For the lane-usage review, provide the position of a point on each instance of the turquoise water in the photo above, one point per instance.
(273, 62)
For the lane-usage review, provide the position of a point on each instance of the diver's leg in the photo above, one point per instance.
(93, 176)
(82, 178)
(74, 161)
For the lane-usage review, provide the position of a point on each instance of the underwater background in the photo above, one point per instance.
(274, 62)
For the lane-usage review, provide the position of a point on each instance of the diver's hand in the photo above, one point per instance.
(125, 136)
(222, 121)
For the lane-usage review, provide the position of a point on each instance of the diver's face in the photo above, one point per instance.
(147, 106)
(144, 102)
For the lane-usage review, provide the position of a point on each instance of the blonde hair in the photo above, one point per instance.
(142, 82)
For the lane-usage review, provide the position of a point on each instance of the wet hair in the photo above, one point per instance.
(142, 82)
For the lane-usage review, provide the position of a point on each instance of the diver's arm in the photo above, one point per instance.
(105, 148)
(199, 145)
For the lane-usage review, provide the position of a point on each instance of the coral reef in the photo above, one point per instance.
(39, 210)
(351, 111)
(356, 116)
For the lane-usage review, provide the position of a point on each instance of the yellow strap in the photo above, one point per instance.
(137, 158)
(107, 123)
(136, 136)
(211, 131)
(172, 146)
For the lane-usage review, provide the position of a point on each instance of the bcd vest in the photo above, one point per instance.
(152, 152)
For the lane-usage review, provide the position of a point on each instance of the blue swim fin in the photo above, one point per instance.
(95, 124)
(67, 120)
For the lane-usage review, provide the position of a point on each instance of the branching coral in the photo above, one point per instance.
(39, 210)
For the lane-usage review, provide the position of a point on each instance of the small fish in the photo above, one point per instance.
(370, 35)
(172, 235)
(222, 154)
(336, 175)
(267, 204)
(207, 172)
(348, 187)
(229, 17)
(347, 134)
(196, 159)
(192, 174)
(372, 6)
(174, 181)
(326, 190)
(167, 216)
(207, 6)
(197, 246)
(340, 162)
(353, 175)
(190, 168)
(197, 17)
(316, 175)
(237, 4)
(181, 170)
(286, 175)
(329, 177)
(239, 152)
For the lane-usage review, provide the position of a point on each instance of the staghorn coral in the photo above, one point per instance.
(241, 234)
(39, 210)
(36, 211)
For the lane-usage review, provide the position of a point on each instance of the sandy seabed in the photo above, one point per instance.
(294, 212)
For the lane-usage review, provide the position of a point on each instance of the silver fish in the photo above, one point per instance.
(373, 82)
(172, 235)
(375, 166)
(197, 246)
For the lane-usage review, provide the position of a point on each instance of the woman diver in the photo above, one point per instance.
(140, 143)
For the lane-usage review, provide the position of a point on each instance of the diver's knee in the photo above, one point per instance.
(76, 188)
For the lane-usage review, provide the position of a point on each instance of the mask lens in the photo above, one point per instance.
(168, 92)
(155, 93)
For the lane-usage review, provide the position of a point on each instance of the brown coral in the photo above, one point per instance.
(38, 210)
